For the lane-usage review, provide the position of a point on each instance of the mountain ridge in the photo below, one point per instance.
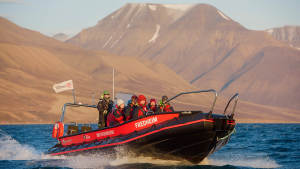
(288, 34)
(204, 46)
(31, 63)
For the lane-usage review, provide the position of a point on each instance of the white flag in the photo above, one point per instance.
(63, 86)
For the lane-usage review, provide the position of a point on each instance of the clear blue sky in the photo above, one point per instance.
(71, 16)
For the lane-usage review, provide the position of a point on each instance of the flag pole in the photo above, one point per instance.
(113, 84)
(74, 97)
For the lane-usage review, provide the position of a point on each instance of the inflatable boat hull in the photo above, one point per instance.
(190, 136)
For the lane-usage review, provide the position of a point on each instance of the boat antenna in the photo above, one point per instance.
(113, 84)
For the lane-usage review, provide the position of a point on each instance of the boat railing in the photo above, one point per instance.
(73, 105)
(180, 94)
(235, 97)
(200, 91)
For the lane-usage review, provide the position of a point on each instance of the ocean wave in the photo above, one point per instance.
(11, 149)
(277, 149)
(244, 161)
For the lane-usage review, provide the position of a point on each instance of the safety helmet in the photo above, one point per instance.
(141, 97)
(164, 98)
(134, 97)
(153, 100)
(105, 92)
(120, 102)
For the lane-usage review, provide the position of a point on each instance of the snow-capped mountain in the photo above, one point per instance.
(203, 45)
(61, 37)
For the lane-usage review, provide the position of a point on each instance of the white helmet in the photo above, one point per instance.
(120, 102)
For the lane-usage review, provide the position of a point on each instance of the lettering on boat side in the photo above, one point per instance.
(86, 137)
(106, 133)
(146, 122)
(66, 141)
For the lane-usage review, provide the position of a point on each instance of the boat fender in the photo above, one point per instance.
(54, 130)
(58, 130)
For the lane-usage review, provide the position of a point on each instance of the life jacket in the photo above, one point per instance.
(166, 107)
(129, 110)
(141, 111)
(105, 105)
(153, 108)
(115, 118)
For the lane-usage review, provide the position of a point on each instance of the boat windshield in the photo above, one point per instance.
(126, 97)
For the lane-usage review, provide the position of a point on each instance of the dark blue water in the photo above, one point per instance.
(252, 146)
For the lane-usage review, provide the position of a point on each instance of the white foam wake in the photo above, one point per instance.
(142, 159)
(259, 162)
(10, 149)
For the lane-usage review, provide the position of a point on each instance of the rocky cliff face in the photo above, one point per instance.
(287, 34)
(204, 46)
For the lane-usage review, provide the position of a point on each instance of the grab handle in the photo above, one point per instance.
(200, 91)
(73, 105)
(235, 98)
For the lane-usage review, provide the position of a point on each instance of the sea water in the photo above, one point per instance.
(252, 146)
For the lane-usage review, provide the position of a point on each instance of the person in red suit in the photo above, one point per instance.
(130, 108)
(152, 106)
(165, 106)
(117, 117)
(141, 110)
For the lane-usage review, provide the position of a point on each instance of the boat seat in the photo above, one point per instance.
(85, 129)
(72, 129)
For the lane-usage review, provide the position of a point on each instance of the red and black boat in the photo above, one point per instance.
(179, 135)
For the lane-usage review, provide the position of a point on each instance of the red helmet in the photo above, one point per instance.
(141, 97)
(153, 100)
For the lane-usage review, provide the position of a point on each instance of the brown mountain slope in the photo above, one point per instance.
(29, 69)
(31, 63)
(205, 47)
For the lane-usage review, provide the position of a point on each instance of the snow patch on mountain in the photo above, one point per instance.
(270, 31)
(152, 7)
(61, 37)
(292, 46)
(223, 15)
(130, 10)
(115, 42)
(181, 7)
(107, 42)
(154, 37)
